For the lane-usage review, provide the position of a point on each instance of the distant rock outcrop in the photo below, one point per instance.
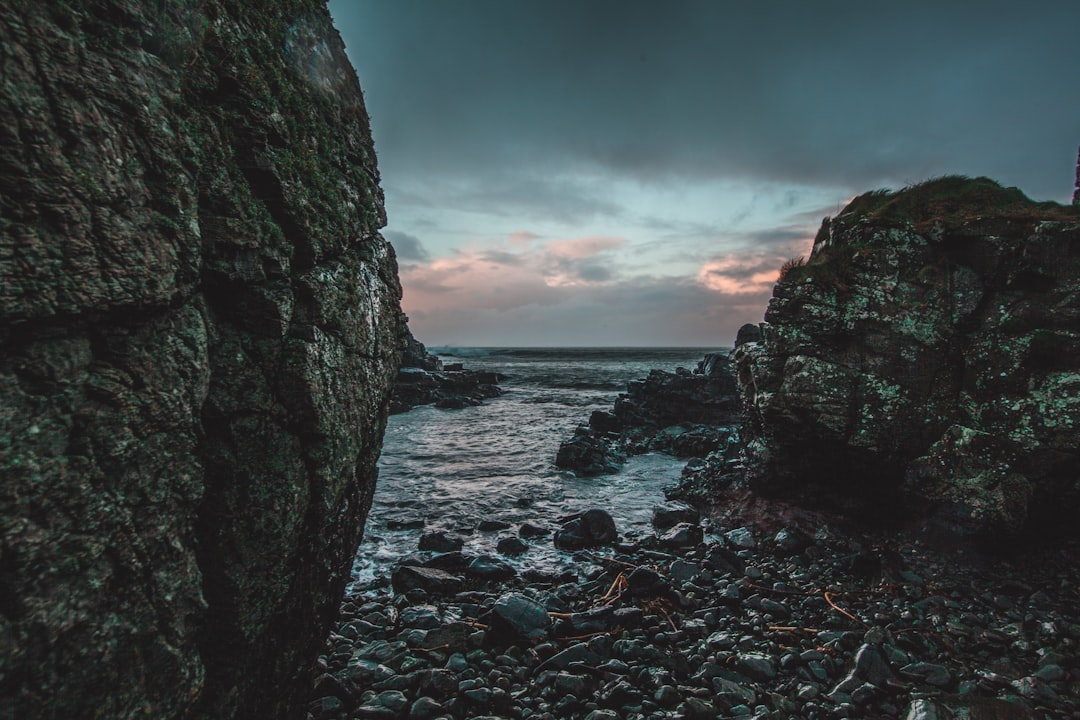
(199, 329)
(926, 357)
(686, 414)
(425, 380)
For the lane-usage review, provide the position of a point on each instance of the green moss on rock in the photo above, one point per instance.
(199, 329)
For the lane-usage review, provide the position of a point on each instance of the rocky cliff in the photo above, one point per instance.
(199, 329)
(926, 357)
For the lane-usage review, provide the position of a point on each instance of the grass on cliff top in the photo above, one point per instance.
(955, 199)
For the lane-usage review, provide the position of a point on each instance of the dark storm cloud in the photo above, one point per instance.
(851, 94)
(407, 247)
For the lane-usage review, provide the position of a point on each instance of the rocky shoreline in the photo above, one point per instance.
(810, 619)
(424, 380)
(687, 414)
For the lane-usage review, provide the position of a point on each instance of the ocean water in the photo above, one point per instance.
(453, 468)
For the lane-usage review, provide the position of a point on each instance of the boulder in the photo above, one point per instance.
(517, 618)
(592, 528)
(199, 330)
(589, 455)
(440, 541)
(430, 580)
(922, 362)
(511, 545)
(489, 569)
(682, 535)
(671, 514)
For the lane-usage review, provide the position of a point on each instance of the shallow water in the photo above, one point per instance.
(454, 468)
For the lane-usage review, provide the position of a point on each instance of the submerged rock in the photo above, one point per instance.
(924, 358)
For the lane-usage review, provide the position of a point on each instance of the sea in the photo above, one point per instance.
(449, 469)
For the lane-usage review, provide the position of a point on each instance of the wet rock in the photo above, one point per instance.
(450, 561)
(723, 560)
(440, 541)
(741, 538)
(439, 582)
(489, 569)
(511, 545)
(410, 524)
(515, 617)
(930, 673)
(492, 525)
(590, 455)
(871, 665)
(599, 714)
(530, 530)
(755, 666)
(576, 653)
(423, 617)
(748, 333)
(597, 620)
(592, 528)
(424, 708)
(729, 693)
(670, 515)
(791, 541)
(644, 581)
(682, 535)
(682, 571)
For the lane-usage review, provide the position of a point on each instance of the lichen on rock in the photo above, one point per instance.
(930, 331)
(200, 326)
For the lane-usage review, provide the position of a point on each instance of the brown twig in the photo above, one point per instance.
(843, 612)
(793, 628)
(601, 558)
(762, 588)
(616, 631)
(614, 598)
(665, 613)
(620, 583)
(433, 649)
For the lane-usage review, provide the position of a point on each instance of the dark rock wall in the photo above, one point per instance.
(199, 329)
(927, 356)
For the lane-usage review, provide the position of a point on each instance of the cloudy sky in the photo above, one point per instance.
(595, 172)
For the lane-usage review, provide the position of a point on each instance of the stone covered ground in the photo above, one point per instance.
(808, 618)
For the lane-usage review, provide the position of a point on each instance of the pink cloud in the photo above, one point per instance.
(522, 237)
(733, 275)
(473, 280)
(579, 248)
(748, 273)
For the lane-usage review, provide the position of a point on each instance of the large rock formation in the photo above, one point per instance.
(927, 356)
(686, 414)
(199, 328)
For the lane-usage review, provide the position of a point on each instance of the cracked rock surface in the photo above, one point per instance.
(199, 329)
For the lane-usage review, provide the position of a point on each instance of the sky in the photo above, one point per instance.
(595, 172)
